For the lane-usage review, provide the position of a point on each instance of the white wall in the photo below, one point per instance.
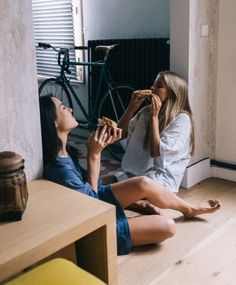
(226, 83)
(105, 19)
(19, 112)
(179, 37)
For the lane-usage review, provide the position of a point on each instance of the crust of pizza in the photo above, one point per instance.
(143, 93)
(104, 121)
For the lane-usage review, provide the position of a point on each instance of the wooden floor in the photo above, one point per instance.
(203, 251)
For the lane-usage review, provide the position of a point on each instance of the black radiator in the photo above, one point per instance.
(138, 62)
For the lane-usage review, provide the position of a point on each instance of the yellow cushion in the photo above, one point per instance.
(58, 271)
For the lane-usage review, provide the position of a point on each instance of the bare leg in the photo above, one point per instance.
(108, 179)
(144, 207)
(150, 229)
(137, 188)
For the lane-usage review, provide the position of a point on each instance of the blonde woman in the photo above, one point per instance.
(160, 137)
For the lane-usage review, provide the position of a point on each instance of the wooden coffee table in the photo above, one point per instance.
(55, 219)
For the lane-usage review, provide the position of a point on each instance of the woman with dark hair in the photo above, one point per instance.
(61, 165)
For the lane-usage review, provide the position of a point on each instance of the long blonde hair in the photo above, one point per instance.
(177, 102)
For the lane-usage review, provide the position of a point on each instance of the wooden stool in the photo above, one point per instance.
(58, 271)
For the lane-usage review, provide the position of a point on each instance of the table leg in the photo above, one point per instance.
(97, 254)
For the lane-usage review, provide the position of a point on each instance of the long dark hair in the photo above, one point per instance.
(50, 140)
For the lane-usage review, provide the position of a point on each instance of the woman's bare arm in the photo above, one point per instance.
(154, 132)
(135, 102)
(97, 141)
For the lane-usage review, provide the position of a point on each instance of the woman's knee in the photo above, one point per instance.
(143, 181)
(167, 230)
(170, 227)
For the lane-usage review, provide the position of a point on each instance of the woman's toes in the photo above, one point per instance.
(214, 203)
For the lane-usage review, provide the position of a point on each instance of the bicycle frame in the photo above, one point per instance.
(104, 76)
(116, 94)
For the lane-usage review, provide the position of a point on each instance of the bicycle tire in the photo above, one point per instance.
(57, 89)
(120, 96)
(115, 101)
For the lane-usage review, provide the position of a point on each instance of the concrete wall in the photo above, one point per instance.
(203, 74)
(226, 83)
(195, 57)
(19, 112)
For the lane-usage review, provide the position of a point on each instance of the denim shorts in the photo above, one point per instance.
(122, 227)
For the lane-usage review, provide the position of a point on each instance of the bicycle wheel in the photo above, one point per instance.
(57, 89)
(115, 102)
(113, 105)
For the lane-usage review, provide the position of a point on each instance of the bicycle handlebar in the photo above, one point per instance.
(44, 45)
(47, 46)
(63, 58)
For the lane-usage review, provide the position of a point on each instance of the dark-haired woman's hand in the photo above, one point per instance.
(114, 134)
(102, 137)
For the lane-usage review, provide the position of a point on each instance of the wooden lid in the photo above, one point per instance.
(10, 161)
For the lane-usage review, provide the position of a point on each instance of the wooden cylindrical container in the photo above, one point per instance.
(13, 186)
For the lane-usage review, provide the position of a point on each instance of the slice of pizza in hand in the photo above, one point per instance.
(143, 93)
(104, 121)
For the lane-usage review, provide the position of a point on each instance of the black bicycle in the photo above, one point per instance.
(111, 103)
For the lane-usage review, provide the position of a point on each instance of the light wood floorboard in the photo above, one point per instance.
(203, 251)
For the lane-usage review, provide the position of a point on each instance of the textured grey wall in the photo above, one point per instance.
(19, 111)
(203, 74)
(195, 58)
(226, 83)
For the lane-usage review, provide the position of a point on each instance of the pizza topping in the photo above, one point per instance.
(104, 121)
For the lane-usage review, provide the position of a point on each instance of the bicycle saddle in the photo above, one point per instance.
(107, 49)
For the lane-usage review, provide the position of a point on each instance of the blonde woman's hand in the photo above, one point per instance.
(136, 101)
(155, 105)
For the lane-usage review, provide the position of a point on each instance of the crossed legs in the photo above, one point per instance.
(154, 228)
(137, 188)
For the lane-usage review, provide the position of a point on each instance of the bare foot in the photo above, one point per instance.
(195, 211)
(144, 207)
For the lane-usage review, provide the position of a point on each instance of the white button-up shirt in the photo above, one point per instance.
(169, 167)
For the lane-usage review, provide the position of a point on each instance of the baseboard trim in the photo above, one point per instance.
(224, 164)
(224, 173)
(206, 168)
(197, 172)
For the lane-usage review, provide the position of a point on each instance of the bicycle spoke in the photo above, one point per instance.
(113, 105)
